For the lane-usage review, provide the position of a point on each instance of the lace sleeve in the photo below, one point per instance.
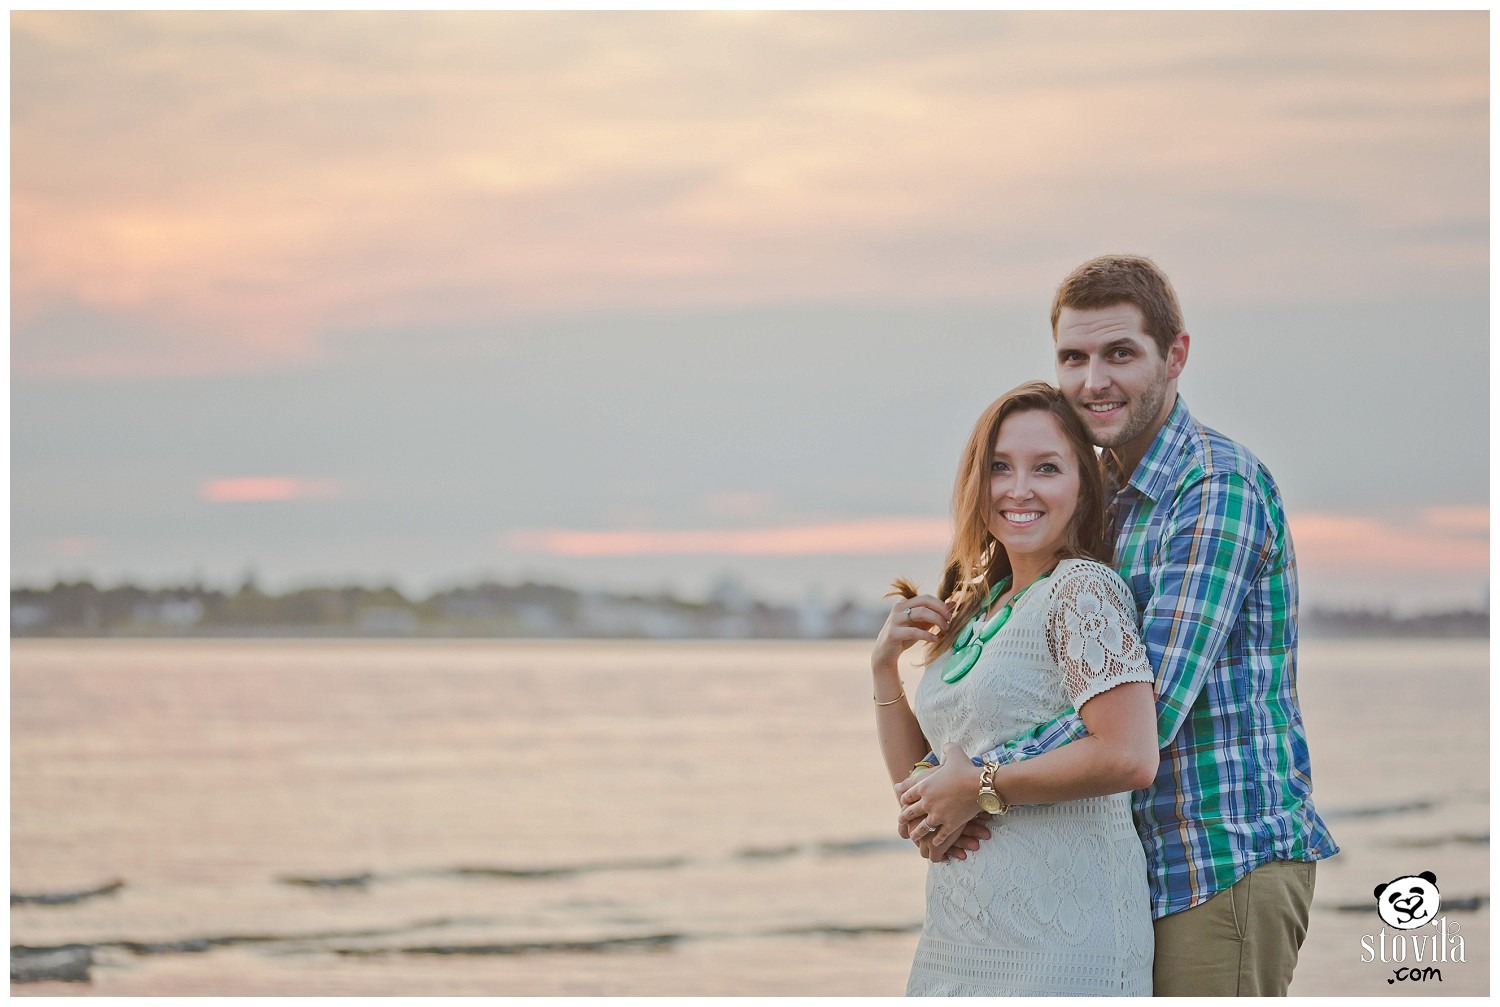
(1092, 634)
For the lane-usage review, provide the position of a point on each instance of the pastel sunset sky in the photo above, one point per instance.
(642, 300)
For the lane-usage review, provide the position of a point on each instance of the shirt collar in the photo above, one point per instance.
(1155, 476)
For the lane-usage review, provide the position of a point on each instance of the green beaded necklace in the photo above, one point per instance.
(970, 642)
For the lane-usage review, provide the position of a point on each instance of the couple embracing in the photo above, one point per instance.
(1104, 760)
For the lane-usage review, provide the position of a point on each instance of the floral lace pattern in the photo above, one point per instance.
(1056, 902)
(1092, 634)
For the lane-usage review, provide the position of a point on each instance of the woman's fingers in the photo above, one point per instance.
(925, 610)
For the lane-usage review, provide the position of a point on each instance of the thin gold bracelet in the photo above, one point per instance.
(892, 702)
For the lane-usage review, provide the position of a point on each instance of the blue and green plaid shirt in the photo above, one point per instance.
(1201, 538)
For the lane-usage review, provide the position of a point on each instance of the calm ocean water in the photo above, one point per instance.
(644, 818)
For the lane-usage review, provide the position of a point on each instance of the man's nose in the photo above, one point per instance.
(1095, 380)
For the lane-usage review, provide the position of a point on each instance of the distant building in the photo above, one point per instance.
(172, 613)
(24, 616)
(387, 620)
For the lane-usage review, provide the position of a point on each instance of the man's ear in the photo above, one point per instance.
(1177, 355)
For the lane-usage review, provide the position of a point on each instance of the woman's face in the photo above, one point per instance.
(1034, 484)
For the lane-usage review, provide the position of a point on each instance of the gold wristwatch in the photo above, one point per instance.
(989, 799)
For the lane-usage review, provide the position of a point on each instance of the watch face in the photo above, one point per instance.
(989, 801)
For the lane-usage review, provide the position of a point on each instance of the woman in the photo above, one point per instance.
(1029, 624)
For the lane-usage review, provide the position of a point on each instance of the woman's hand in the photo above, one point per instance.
(912, 620)
(941, 801)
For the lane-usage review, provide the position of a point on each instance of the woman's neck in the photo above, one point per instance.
(1025, 570)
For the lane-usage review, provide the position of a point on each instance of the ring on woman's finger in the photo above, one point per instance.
(908, 613)
(931, 828)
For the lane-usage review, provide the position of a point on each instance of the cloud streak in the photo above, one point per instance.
(250, 180)
(1437, 540)
(262, 489)
(872, 535)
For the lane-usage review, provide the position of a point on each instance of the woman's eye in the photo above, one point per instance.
(998, 466)
(1048, 467)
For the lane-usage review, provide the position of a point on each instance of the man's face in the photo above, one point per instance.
(1110, 371)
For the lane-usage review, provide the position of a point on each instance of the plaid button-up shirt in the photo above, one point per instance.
(1201, 538)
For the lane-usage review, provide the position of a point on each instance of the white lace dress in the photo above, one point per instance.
(1056, 902)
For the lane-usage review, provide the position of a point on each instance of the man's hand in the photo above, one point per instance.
(966, 839)
(965, 842)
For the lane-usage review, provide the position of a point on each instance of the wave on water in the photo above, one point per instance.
(564, 872)
(64, 898)
(845, 931)
(864, 846)
(1454, 904)
(363, 880)
(648, 942)
(72, 962)
(1378, 810)
(1424, 842)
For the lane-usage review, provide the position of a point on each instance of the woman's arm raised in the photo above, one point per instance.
(911, 621)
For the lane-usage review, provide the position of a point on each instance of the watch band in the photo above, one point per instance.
(987, 785)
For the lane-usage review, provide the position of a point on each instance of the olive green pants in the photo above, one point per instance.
(1243, 941)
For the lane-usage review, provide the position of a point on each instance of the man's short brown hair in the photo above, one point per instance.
(1110, 280)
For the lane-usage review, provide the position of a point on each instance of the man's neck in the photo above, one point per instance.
(1126, 457)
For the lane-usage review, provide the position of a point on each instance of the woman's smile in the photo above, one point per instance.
(1034, 484)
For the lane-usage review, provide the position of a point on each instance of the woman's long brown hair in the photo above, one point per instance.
(976, 561)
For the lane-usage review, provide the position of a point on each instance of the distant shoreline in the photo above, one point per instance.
(528, 611)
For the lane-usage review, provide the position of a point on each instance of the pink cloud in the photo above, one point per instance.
(1457, 519)
(74, 546)
(872, 535)
(1437, 539)
(263, 488)
(257, 232)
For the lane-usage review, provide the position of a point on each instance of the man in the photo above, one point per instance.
(1200, 536)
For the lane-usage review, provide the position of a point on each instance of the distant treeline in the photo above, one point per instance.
(1378, 623)
(79, 609)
